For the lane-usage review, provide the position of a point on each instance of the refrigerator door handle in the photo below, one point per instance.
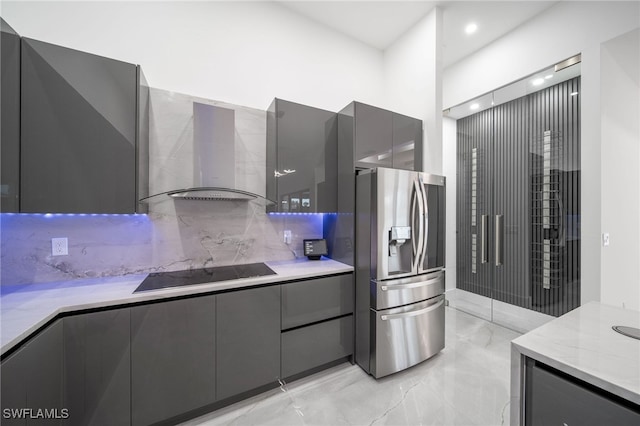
(412, 285)
(425, 231)
(418, 248)
(413, 313)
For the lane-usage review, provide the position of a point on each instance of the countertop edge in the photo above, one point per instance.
(175, 292)
(578, 373)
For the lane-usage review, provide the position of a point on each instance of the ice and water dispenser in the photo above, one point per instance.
(400, 249)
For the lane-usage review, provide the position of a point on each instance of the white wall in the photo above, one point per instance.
(620, 103)
(245, 53)
(559, 32)
(449, 160)
(413, 82)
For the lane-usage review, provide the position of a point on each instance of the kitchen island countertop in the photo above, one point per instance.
(26, 308)
(583, 344)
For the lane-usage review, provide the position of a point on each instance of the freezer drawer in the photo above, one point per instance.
(406, 336)
(404, 291)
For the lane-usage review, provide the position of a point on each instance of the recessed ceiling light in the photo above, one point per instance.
(537, 81)
(471, 28)
(547, 77)
(474, 106)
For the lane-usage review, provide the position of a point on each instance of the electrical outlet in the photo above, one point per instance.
(59, 246)
(605, 239)
(287, 236)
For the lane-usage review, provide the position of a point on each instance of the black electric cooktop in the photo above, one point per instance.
(158, 280)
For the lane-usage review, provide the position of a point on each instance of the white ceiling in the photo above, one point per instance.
(380, 23)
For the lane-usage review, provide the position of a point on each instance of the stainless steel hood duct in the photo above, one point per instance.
(213, 158)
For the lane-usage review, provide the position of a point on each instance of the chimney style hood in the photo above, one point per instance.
(209, 165)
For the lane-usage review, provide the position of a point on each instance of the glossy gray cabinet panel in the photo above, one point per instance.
(552, 399)
(35, 372)
(78, 132)
(142, 146)
(373, 136)
(316, 300)
(248, 340)
(97, 368)
(173, 358)
(407, 142)
(302, 144)
(312, 346)
(10, 119)
(13, 375)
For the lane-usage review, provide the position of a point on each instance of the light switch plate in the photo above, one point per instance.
(605, 239)
(59, 246)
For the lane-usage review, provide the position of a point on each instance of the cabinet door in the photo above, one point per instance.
(316, 300)
(312, 346)
(14, 386)
(172, 358)
(373, 137)
(97, 373)
(307, 144)
(32, 378)
(10, 119)
(78, 132)
(553, 399)
(407, 143)
(248, 340)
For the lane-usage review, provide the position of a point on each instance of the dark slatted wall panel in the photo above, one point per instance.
(511, 200)
(537, 195)
(474, 139)
(555, 228)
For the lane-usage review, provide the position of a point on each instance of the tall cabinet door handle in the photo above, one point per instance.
(484, 241)
(499, 229)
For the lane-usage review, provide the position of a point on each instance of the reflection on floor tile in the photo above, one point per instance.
(466, 384)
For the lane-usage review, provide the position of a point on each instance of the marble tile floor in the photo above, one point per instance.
(465, 384)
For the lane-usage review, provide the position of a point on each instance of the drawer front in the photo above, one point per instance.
(308, 347)
(407, 335)
(316, 300)
(404, 291)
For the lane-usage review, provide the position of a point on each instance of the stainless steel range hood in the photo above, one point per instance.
(212, 162)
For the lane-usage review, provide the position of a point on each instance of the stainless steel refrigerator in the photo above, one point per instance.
(399, 263)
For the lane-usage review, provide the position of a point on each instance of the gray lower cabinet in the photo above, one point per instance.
(315, 345)
(317, 323)
(316, 300)
(553, 399)
(32, 379)
(248, 340)
(173, 358)
(97, 361)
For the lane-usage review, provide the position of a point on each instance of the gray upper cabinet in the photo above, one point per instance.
(407, 142)
(79, 140)
(302, 144)
(373, 137)
(10, 119)
(173, 358)
(248, 340)
(380, 138)
(97, 368)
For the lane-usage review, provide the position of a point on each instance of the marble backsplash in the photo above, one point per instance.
(176, 234)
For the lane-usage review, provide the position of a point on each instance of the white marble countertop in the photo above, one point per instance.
(25, 308)
(583, 344)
